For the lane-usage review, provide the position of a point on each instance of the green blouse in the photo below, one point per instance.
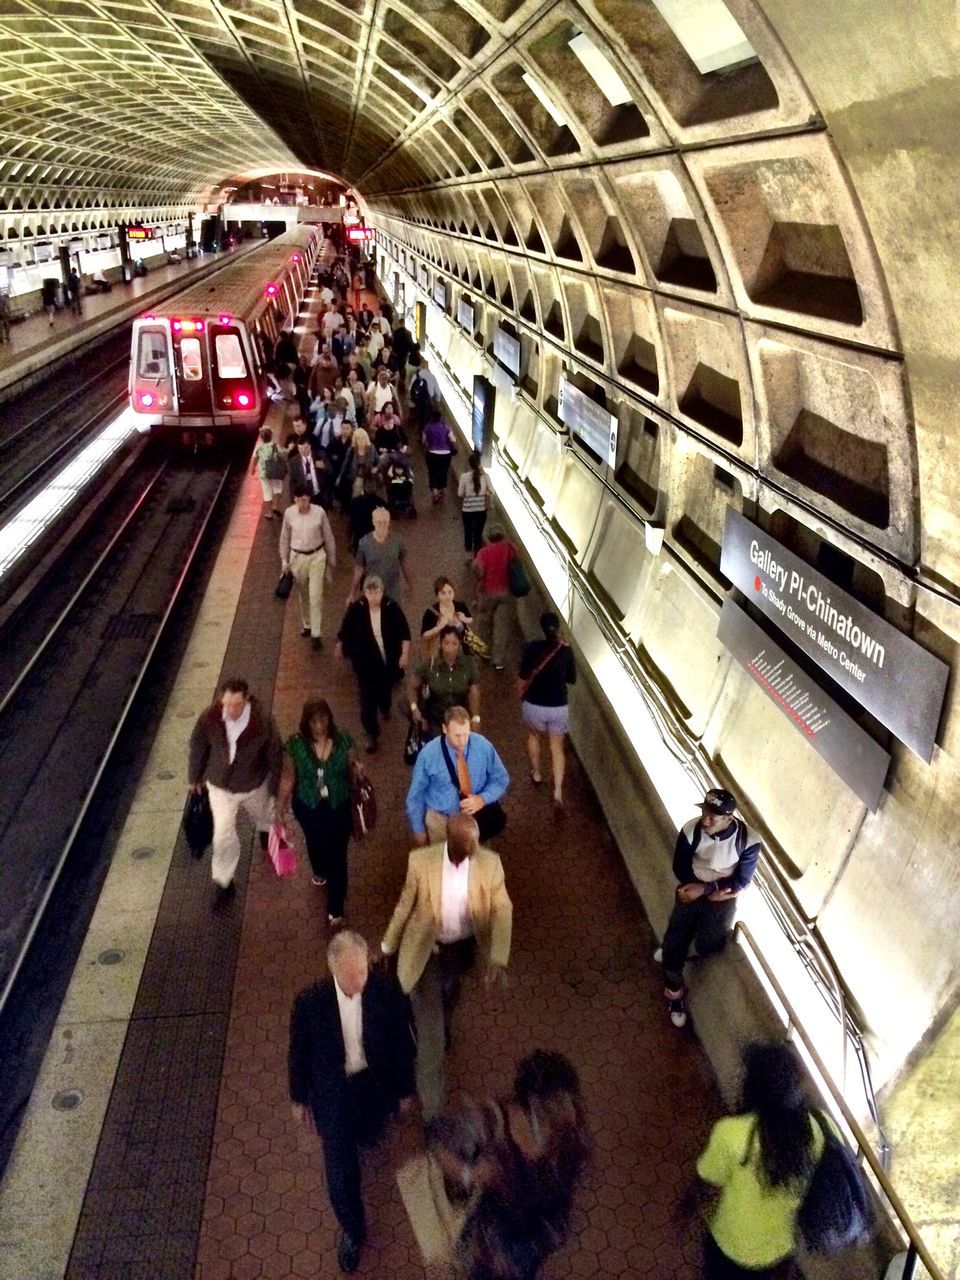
(336, 770)
(444, 686)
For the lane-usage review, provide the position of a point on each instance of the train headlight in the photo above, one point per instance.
(243, 400)
(146, 399)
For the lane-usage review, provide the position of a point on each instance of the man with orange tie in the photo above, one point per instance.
(459, 772)
(454, 903)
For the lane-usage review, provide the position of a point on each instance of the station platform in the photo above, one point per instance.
(159, 1142)
(35, 343)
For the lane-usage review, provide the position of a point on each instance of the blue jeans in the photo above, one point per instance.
(701, 921)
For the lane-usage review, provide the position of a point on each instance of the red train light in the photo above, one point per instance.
(295, 257)
(271, 290)
(244, 401)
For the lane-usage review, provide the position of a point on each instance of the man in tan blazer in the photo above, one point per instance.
(453, 903)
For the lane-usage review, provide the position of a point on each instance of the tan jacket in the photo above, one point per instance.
(416, 918)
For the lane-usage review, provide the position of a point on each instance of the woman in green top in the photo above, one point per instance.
(317, 767)
(448, 680)
(761, 1160)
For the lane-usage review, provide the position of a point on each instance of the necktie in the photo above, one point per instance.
(311, 474)
(463, 774)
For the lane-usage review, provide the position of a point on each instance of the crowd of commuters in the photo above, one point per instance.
(353, 1061)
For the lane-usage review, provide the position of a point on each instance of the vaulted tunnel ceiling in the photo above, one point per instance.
(669, 215)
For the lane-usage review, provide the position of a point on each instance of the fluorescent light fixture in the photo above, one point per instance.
(48, 505)
(541, 94)
(418, 89)
(709, 32)
(601, 70)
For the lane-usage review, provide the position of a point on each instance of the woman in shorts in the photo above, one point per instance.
(546, 670)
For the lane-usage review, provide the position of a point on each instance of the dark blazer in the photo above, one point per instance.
(259, 752)
(297, 474)
(317, 1076)
(356, 637)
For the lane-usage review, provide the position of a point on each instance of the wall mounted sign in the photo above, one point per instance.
(423, 277)
(507, 351)
(466, 316)
(43, 251)
(440, 294)
(846, 747)
(139, 233)
(892, 676)
(589, 421)
(357, 234)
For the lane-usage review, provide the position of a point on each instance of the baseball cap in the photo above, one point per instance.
(718, 801)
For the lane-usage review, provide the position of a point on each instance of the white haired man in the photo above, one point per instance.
(351, 1066)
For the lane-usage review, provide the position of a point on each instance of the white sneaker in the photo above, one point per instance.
(692, 954)
(658, 956)
(678, 1012)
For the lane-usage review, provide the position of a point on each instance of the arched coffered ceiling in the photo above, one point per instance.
(651, 181)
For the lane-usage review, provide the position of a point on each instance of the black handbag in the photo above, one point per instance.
(198, 822)
(284, 586)
(363, 805)
(413, 745)
(836, 1213)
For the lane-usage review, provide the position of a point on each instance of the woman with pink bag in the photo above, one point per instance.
(318, 764)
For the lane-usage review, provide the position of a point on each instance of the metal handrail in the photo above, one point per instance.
(916, 1250)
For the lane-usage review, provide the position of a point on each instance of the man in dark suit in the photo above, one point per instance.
(351, 1065)
(305, 469)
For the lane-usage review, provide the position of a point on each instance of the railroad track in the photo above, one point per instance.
(69, 686)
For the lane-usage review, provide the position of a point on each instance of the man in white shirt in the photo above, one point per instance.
(454, 902)
(308, 551)
(351, 1066)
(714, 860)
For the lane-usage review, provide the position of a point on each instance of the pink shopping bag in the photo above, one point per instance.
(281, 851)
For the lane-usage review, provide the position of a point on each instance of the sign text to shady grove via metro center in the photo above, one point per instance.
(894, 678)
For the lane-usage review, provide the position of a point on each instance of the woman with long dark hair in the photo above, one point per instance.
(318, 763)
(473, 489)
(761, 1160)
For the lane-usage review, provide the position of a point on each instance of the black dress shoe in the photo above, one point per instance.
(304, 631)
(348, 1253)
(317, 642)
(264, 840)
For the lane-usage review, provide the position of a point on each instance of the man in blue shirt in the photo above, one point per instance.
(459, 772)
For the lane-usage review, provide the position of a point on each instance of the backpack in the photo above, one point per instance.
(420, 392)
(837, 1212)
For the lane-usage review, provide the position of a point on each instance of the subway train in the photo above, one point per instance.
(197, 362)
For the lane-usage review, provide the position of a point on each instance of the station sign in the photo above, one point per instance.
(358, 234)
(423, 276)
(140, 233)
(890, 675)
(588, 421)
(466, 315)
(507, 350)
(43, 251)
(440, 294)
(849, 750)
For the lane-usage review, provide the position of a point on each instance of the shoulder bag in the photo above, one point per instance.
(837, 1212)
(284, 586)
(524, 682)
(363, 804)
(274, 467)
(517, 579)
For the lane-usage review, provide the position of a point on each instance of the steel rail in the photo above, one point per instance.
(8, 441)
(77, 436)
(108, 752)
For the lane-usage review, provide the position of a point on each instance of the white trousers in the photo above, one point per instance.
(225, 807)
(308, 573)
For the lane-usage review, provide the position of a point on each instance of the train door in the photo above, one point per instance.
(193, 374)
(234, 387)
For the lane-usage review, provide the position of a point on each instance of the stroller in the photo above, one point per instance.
(398, 485)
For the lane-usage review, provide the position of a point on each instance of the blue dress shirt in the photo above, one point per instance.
(431, 786)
